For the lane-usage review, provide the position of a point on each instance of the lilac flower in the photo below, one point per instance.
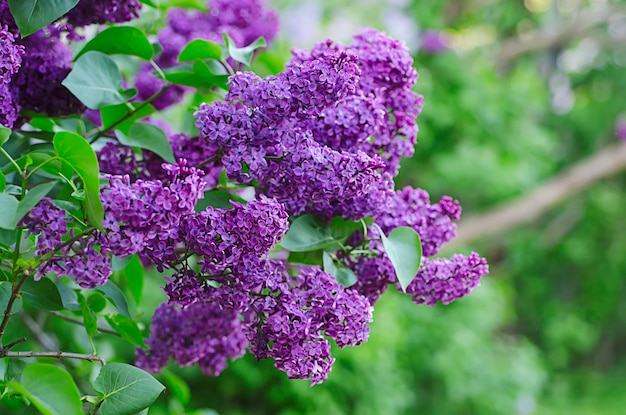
(144, 217)
(46, 63)
(10, 55)
(446, 280)
(200, 333)
(88, 12)
(9, 105)
(620, 129)
(48, 223)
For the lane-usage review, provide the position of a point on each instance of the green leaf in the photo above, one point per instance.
(124, 40)
(308, 233)
(32, 15)
(177, 386)
(31, 199)
(77, 152)
(344, 276)
(8, 210)
(134, 278)
(309, 258)
(42, 294)
(5, 134)
(96, 81)
(118, 264)
(114, 113)
(197, 75)
(149, 137)
(50, 389)
(69, 297)
(5, 293)
(218, 199)
(200, 49)
(14, 370)
(243, 55)
(125, 389)
(113, 293)
(126, 328)
(3, 181)
(404, 249)
(89, 317)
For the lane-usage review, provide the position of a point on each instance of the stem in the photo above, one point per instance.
(7, 155)
(40, 166)
(213, 159)
(81, 323)
(8, 310)
(103, 130)
(57, 355)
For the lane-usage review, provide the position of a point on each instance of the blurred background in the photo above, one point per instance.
(523, 124)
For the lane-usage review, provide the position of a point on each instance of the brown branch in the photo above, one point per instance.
(547, 38)
(527, 208)
(58, 355)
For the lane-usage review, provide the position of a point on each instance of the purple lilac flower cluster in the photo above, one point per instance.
(267, 131)
(243, 20)
(10, 62)
(439, 279)
(88, 12)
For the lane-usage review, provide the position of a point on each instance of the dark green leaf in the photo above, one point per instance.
(125, 389)
(245, 54)
(89, 318)
(308, 233)
(32, 15)
(14, 370)
(200, 49)
(77, 152)
(309, 258)
(96, 81)
(7, 237)
(31, 199)
(344, 276)
(217, 199)
(126, 328)
(404, 249)
(149, 137)
(114, 113)
(113, 293)
(8, 210)
(3, 181)
(342, 229)
(50, 389)
(177, 386)
(42, 294)
(5, 294)
(134, 278)
(198, 75)
(125, 40)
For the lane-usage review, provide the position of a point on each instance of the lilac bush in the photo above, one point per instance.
(303, 160)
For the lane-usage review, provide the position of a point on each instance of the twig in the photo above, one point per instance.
(548, 38)
(8, 311)
(529, 207)
(81, 323)
(57, 355)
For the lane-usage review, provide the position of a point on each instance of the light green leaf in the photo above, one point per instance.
(218, 199)
(344, 276)
(404, 249)
(243, 55)
(113, 293)
(8, 210)
(114, 113)
(126, 328)
(149, 137)
(5, 134)
(77, 152)
(42, 294)
(32, 15)
(197, 75)
(308, 233)
(125, 389)
(96, 81)
(200, 49)
(124, 40)
(50, 389)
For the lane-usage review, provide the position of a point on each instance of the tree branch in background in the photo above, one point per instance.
(529, 207)
(547, 38)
